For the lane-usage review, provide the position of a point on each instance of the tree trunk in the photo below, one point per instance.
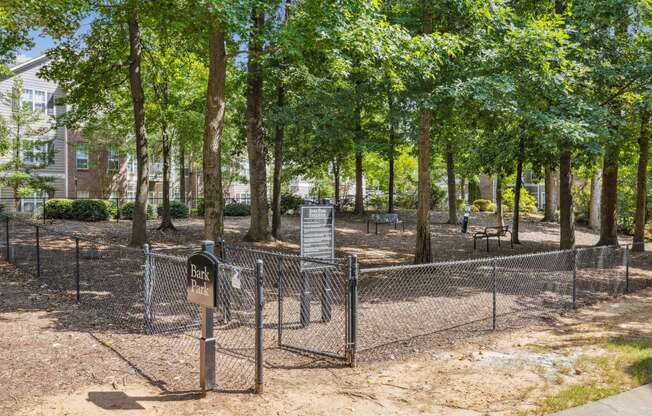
(336, 175)
(278, 166)
(359, 194)
(182, 174)
(278, 147)
(139, 223)
(566, 216)
(594, 201)
(166, 218)
(259, 222)
(641, 182)
(423, 249)
(500, 221)
(517, 192)
(213, 132)
(549, 213)
(452, 195)
(390, 187)
(609, 198)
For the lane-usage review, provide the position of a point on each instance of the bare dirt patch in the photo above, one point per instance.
(388, 247)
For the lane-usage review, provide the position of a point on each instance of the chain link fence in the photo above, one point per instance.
(315, 312)
(403, 308)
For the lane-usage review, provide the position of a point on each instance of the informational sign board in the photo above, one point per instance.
(201, 279)
(317, 233)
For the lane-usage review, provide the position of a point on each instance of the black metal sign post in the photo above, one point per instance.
(317, 241)
(201, 289)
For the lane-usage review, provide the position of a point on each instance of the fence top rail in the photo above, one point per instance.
(330, 262)
(73, 235)
(184, 260)
(484, 259)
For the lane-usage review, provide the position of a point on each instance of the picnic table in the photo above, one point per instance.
(492, 232)
(385, 219)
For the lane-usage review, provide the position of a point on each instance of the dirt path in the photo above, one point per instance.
(47, 370)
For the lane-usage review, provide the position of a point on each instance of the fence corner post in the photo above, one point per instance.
(494, 289)
(9, 259)
(147, 287)
(627, 268)
(280, 284)
(38, 252)
(353, 309)
(574, 278)
(260, 303)
(77, 269)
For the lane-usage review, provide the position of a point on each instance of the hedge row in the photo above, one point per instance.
(80, 209)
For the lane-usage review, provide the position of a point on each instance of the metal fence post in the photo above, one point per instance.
(627, 268)
(207, 339)
(304, 301)
(260, 303)
(574, 278)
(43, 215)
(326, 297)
(7, 239)
(38, 252)
(77, 268)
(353, 309)
(280, 283)
(147, 287)
(494, 290)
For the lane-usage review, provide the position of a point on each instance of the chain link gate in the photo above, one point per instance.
(308, 302)
(172, 322)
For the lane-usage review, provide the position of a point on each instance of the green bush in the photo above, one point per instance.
(237, 210)
(112, 207)
(483, 205)
(127, 211)
(407, 201)
(527, 203)
(474, 208)
(200, 207)
(437, 196)
(290, 202)
(378, 202)
(58, 209)
(177, 210)
(89, 210)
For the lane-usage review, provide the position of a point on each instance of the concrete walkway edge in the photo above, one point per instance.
(636, 402)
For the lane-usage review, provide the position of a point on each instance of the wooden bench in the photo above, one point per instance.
(384, 219)
(492, 232)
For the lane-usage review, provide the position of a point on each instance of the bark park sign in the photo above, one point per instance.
(201, 279)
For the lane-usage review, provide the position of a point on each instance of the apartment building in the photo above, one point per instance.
(41, 96)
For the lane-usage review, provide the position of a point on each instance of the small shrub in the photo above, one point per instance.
(460, 204)
(58, 209)
(474, 208)
(407, 200)
(437, 196)
(290, 202)
(527, 203)
(237, 210)
(378, 202)
(127, 211)
(483, 205)
(89, 210)
(626, 225)
(200, 207)
(112, 207)
(177, 210)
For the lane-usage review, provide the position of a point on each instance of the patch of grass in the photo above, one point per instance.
(574, 396)
(626, 363)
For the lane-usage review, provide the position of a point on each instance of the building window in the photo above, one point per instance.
(131, 196)
(113, 160)
(32, 203)
(35, 100)
(83, 195)
(37, 152)
(82, 157)
(131, 165)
